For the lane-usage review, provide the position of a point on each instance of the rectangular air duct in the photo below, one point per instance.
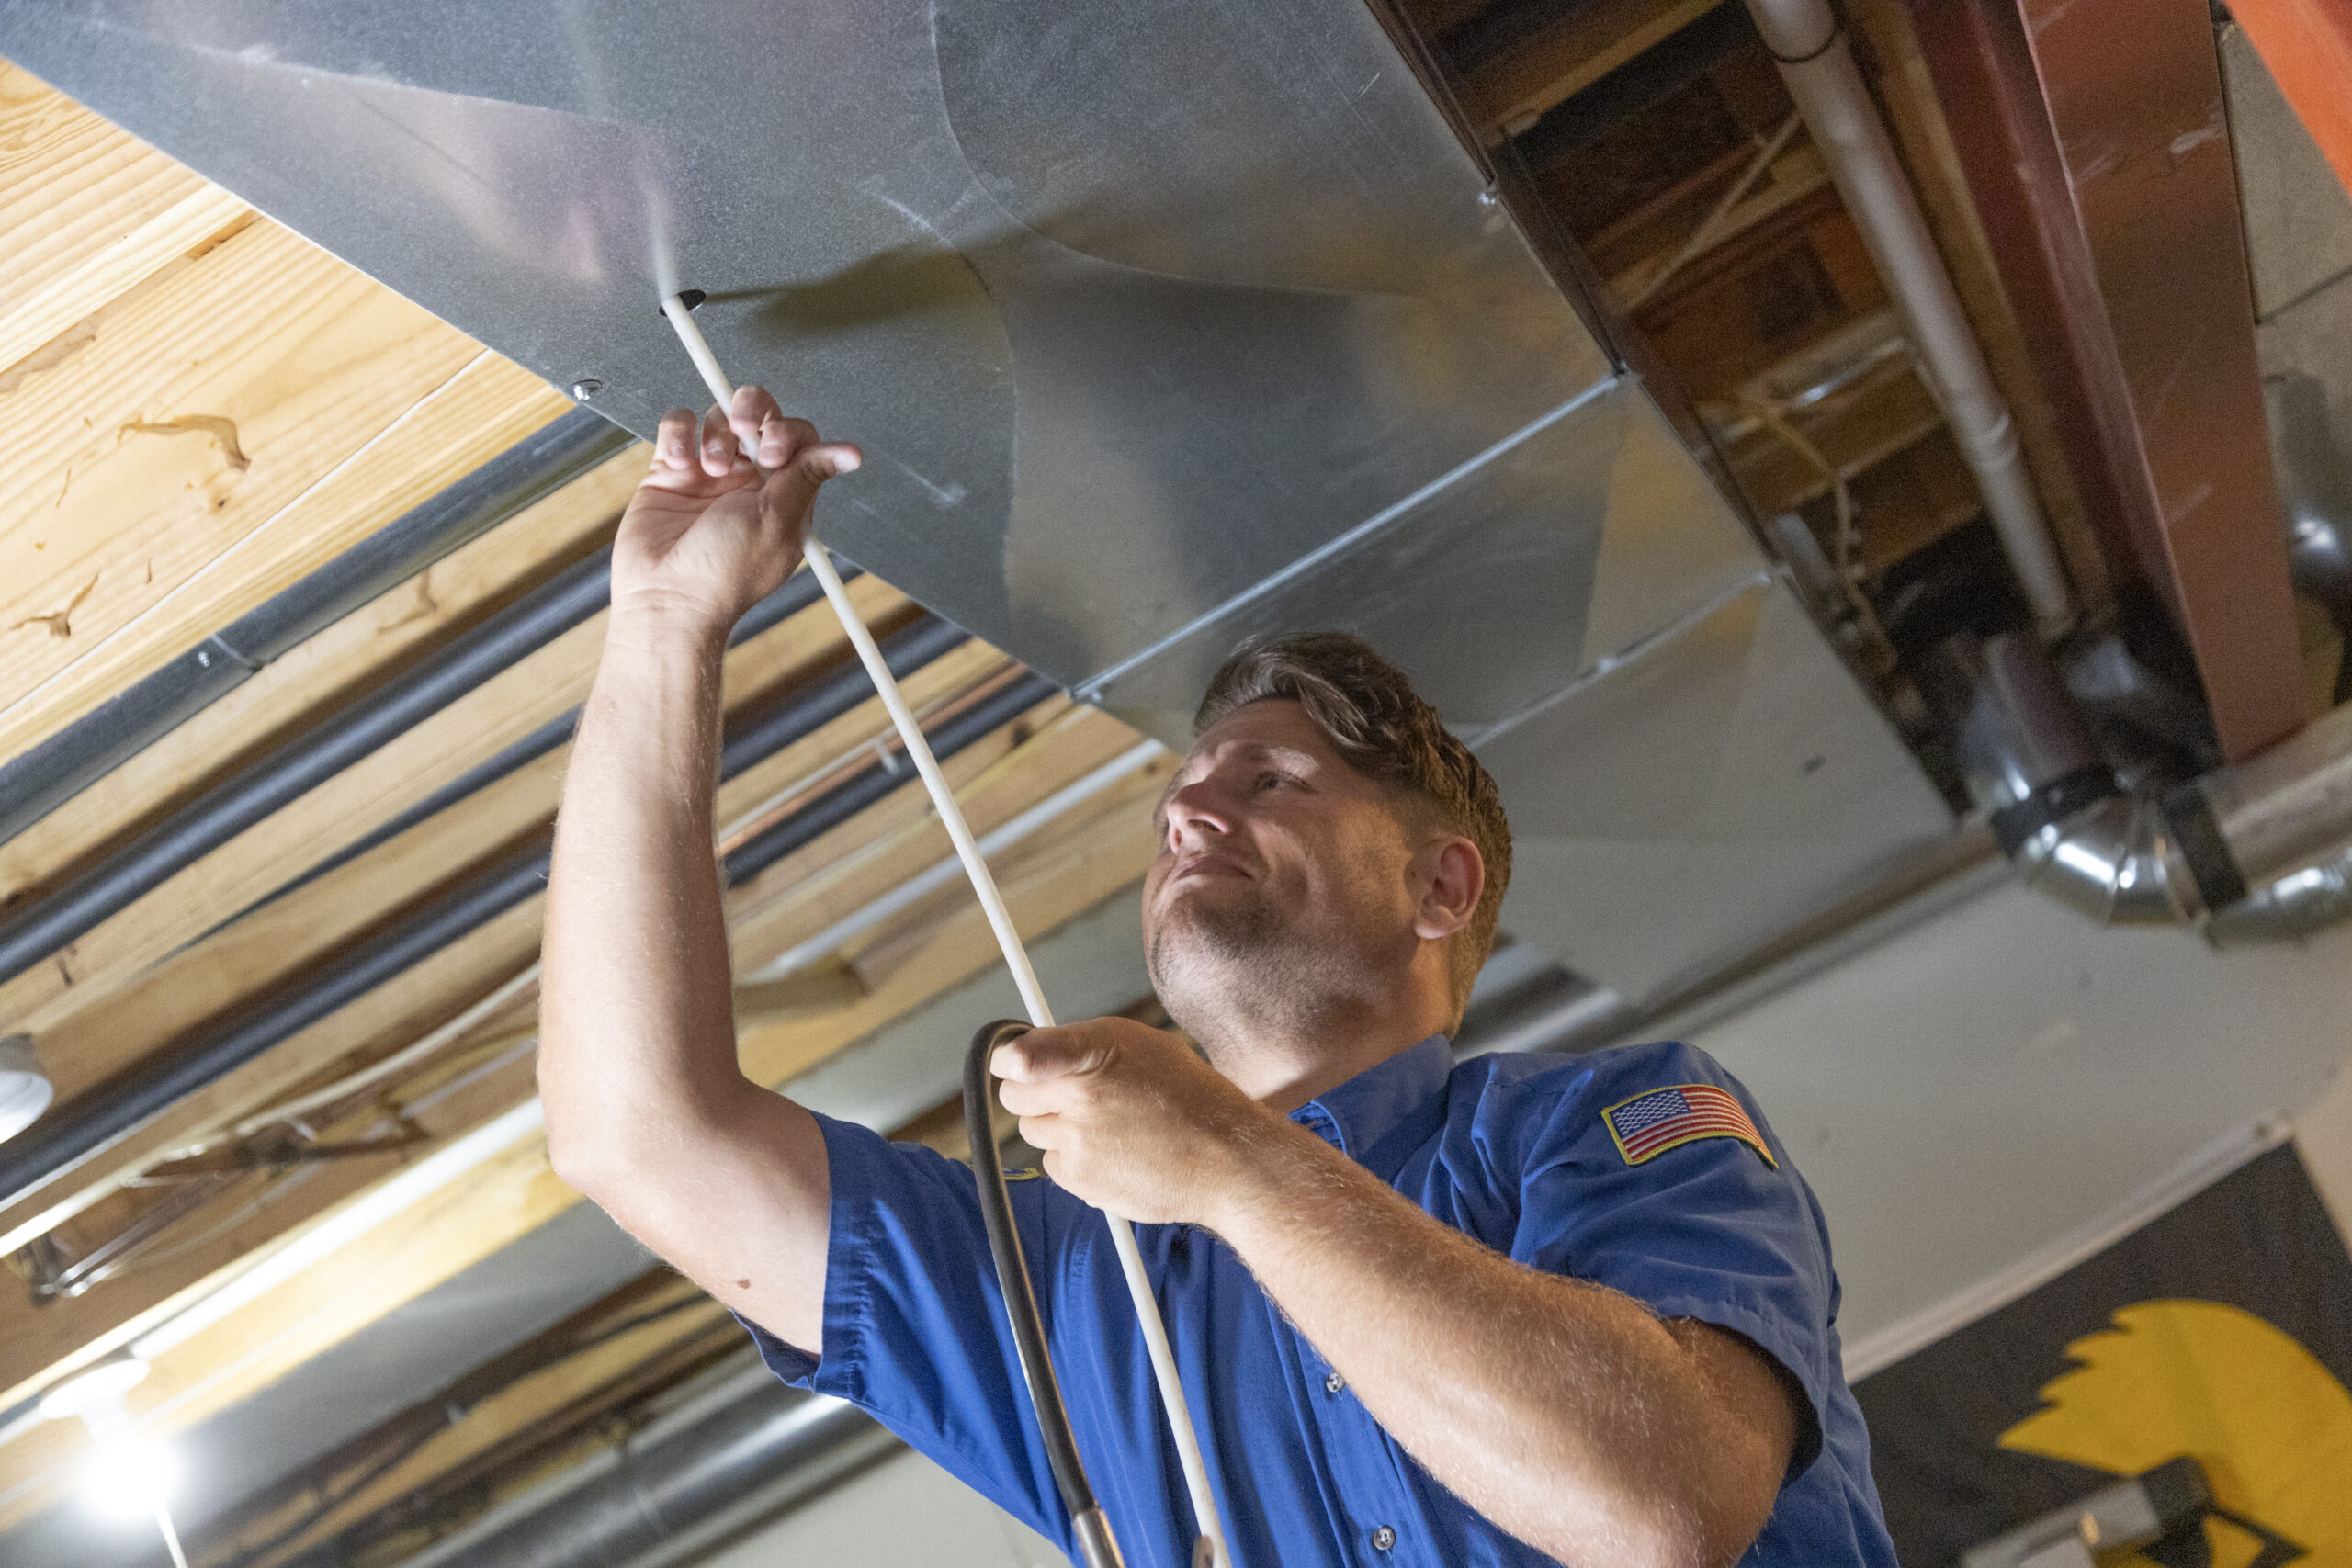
(1161, 324)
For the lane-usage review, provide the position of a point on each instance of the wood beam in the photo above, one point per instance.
(477, 414)
(322, 670)
(90, 211)
(200, 407)
(2093, 137)
(1560, 60)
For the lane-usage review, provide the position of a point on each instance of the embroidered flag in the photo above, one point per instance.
(1649, 1124)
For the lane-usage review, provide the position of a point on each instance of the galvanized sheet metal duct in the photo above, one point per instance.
(1162, 324)
(2260, 849)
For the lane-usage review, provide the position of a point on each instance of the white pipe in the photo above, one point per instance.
(1016, 958)
(1818, 70)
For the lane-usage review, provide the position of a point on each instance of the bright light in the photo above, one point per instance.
(25, 1089)
(130, 1475)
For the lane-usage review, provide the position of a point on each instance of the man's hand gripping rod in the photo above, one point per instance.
(1091, 1530)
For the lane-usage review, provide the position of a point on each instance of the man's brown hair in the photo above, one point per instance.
(1373, 717)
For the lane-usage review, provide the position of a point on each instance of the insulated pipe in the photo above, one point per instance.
(796, 595)
(293, 770)
(38, 780)
(1818, 68)
(95, 1120)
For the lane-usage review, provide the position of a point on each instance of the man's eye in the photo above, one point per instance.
(1271, 781)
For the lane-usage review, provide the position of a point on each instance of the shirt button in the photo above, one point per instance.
(1383, 1538)
(1334, 1383)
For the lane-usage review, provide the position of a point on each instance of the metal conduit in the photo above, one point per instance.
(38, 780)
(2258, 851)
(95, 1120)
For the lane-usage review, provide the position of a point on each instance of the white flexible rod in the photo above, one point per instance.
(1016, 958)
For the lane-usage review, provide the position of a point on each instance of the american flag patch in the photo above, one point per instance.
(1649, 1124)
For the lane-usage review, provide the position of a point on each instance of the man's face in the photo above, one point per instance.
(1283, 874)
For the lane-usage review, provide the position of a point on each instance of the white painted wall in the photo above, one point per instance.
(2005, 1075)
(906, 1512)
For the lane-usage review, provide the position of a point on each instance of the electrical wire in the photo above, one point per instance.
(1016, 958)
(1842, 548)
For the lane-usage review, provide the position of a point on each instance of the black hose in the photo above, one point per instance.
(38, 780)
(1091, 1531)
(114, 1109)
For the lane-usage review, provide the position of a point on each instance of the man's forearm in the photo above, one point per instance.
(636, 1018)
(1567, 1413)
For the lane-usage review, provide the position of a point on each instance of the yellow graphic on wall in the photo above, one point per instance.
(2269, 1423)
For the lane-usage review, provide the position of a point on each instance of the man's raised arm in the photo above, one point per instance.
(648, 1112)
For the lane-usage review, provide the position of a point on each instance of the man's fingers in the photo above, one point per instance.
(719, 450)
(674, 443)
(1043, 1054)
(782, 438)
(791, 490)
(754, 408)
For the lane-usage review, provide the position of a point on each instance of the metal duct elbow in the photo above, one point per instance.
(2260, 850)
(2112, 860)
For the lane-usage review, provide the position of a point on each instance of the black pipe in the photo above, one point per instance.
(863, 789)
(38, 780)
(1089, 1528)
(113, 1110)
(799, 591)
(238, 801)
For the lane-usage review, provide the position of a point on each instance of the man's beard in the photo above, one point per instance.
(1221, 968)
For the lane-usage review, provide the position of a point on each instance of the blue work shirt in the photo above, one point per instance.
(1517, 1151)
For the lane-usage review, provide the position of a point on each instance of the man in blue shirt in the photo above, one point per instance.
(1518, 1310)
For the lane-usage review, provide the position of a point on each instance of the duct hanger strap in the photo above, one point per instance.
(2204, 848)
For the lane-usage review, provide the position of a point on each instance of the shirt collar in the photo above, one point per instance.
(1385, 1112)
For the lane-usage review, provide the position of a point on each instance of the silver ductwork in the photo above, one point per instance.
(1178, 323)
(2257, 851)
(723, 1463)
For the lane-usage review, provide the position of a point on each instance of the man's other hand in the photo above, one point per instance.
(710, 533)
(1131, 1121)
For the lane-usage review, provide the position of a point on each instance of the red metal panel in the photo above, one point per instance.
(2094, 140)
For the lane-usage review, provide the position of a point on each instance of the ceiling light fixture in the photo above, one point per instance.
(25, 1089)
(128, 1473)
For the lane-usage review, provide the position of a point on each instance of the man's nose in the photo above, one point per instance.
(1200, 807)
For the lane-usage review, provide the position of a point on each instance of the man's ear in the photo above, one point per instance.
(1449, 877)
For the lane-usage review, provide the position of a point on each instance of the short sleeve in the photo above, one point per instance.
(1703, 1227)
(914, 1323)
